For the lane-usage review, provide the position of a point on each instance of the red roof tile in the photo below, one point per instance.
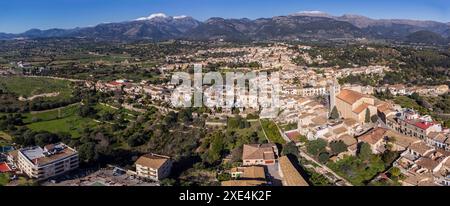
(4, 167)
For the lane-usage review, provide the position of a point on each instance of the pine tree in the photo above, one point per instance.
(334, 113)
(367, 119)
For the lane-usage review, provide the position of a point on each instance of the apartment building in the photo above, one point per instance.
(408, 122)
(439, 140)
(43, 163)
(153, 166)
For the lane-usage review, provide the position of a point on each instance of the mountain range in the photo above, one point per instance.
(302, 25)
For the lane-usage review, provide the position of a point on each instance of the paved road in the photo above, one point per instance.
(306, 156)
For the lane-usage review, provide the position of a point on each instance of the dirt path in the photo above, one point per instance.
(54, 94)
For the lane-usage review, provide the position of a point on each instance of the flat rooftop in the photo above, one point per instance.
(39, 156)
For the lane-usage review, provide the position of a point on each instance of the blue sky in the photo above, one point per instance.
(20, 15)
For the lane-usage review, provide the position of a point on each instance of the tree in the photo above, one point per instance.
(324, 157)
(395, 171)
(168, 182)
(170, 119)
(367, 118)
(136, 140)
(365, 152)
(216, 148)
(374, 118)
(334, 113)
(388, 94)
(338, 147)
(388, 157)
(315, 147)
(44, 138)
(107, 116)
(87, 152)
(87, 111)
(224, 176)
(290, 149)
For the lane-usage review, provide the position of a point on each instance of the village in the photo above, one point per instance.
(315, 109)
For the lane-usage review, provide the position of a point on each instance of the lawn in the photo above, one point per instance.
(29, 86)
(272, 131)
(51, 114)
(4, 179)
(63, 119)
(288, 127)
(102, 109)
(70, 124)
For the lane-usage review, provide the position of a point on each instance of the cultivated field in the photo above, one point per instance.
(27, 87)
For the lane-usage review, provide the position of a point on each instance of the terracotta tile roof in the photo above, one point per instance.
(373, 136)
(339, 130)
(349, 96)
(347, 139)
(401, 139)
(4, 167)
(293, 135)
(350, 122)
(437, 136)
(313, 104)
(258, 151)
(291, 177)
(327, 135)
(302, 116)
(447, 163)
(353, 147)
(243, 183)
(152, 160)
(254, 172)
(427, 163)
(384, 107)
(420, 148)
(319, 120)
(361, 108)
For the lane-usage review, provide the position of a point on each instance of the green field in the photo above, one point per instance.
(59, 120)
(52, 114)
(102, 109)
(254, 127)
(71, 125)
(30, 86)
(272, 131)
